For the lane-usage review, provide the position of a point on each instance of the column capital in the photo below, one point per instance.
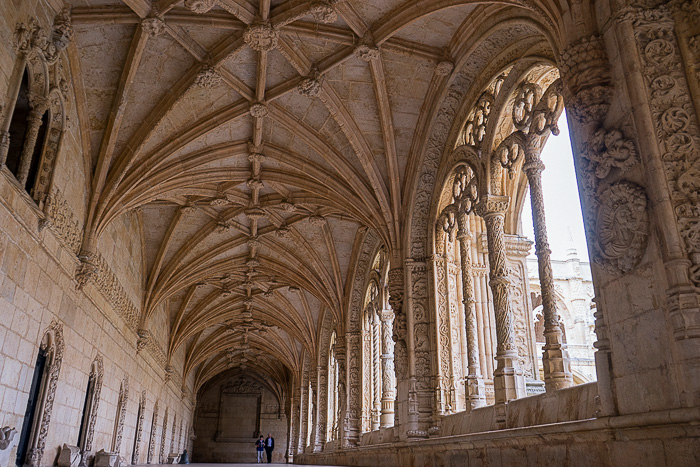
(492, 204)
(585, 70)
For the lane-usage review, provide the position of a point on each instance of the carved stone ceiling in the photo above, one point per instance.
(255, 138)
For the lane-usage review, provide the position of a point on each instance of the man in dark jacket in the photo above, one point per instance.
(269, 446)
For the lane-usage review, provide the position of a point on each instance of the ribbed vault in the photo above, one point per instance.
(254, 139)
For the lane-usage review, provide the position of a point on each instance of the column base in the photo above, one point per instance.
(508, 379)
(557, 368)
(475, 391)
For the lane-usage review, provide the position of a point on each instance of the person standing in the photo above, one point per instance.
(260, 446)
(269, 446)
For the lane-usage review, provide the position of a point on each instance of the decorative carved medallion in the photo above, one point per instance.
(261, 36)
(622, 227)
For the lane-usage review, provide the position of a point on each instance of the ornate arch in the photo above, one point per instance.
(96, 375)
(53, 346)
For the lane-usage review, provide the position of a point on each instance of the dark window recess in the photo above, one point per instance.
(18, 134)
(36, 155)
(18, 126)
(87, 405)
(32, 404)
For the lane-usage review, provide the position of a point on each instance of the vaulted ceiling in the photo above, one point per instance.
(256, 138)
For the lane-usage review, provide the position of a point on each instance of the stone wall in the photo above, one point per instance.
(37, 287)
(38, 262)
(232, 412)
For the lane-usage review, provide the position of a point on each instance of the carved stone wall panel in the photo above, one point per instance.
(677, 128)
(62, 221)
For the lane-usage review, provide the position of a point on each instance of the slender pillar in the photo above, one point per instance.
(304, 414)
(39, 105)
(314, 409)
(475, 390)
(555, 359)
(321, 408)
(340, 354)
(508, 379)
(376, 371)
(387, 417)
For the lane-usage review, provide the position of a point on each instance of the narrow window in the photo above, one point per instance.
(32, 406)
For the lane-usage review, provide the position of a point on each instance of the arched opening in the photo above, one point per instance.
(32, 406)
(120, 415)
(27, 133)
(378, 378)
(140, 415)
(18, 125)
(571, 271)
(90, 407)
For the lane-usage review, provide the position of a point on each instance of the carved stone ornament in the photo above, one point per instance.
(93, 267)
(366, 52)
(199, 6)
(311, 86)
(32, 36)
(445, 67)
(8, 440)
(207, 78)
(674, 117)
(69, 456)
(52, 343)
(60, 219)
(622, 227)
(153, 26)
(323, 12)
(585, 69)
(261, 36)
(258, 110)
(607, 149)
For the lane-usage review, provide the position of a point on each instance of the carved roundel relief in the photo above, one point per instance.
(622, 227)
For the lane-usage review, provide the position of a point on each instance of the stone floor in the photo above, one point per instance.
(237, 465)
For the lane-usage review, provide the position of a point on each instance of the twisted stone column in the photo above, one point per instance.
(508, 379)
(475, 390)
(376, 372)
(39, 105)
(555, 359)
(387, 356)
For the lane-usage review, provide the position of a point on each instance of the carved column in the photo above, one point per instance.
(585, 71)
(353, 414)
(441, 330)
(320, 439)
(668, 42)
(304, 413)
(422, 419)
(313, 376)
(340, 355)
(294, 416)
(555, 359)
(376, 370)
(39, 105)
(387, 417)
(508, 379)
(475, 390)
(399, 336)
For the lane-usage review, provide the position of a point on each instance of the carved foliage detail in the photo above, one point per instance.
(675, 119)
(60, 218)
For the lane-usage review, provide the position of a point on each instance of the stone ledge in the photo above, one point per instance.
(669, 437)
